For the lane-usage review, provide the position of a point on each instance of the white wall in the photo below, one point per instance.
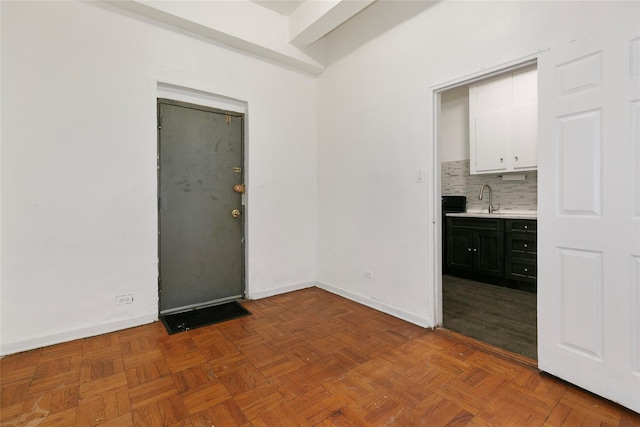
(454, 125)
(79, 216)
(375, 129)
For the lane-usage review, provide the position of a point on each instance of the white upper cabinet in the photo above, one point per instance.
(503, 114)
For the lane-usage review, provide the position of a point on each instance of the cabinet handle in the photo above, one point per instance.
(526, 270)
(475, 250)
(526, 246)
(516, 158)
(500, 159)
(526, 227)
(469, 249)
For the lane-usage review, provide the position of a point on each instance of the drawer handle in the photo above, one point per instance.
(475, 250)
(469, 249)
(526, 246)
(526, 227)
(526, 270)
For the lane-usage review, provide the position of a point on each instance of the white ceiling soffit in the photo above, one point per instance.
(311, 20)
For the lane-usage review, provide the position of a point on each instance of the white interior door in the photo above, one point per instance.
(589, 214)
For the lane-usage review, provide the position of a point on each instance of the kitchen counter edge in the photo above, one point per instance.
(497, 215)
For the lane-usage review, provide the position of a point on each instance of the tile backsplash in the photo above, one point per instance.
(510, 195)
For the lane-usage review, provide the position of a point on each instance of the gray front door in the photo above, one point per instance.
(200, 212)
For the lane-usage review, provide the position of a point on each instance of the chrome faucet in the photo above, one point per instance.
(491, 208)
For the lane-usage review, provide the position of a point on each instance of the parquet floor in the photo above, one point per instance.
(306, 358)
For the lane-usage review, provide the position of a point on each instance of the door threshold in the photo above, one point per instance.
(488, 348)
(197, 306)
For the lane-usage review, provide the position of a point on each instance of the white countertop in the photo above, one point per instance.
(499, 215)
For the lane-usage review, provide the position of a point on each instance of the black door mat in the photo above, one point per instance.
(181, 322)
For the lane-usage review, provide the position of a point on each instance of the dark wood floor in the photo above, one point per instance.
(503, 317)
(303, 358)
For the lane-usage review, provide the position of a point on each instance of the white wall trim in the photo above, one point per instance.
(485, 73)
(80, 333)
(376, 305)
(181, 91)
(279, 290)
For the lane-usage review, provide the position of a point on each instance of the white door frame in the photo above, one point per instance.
(435, 92)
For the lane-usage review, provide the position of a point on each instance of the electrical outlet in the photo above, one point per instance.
(368, 274)
(124, 299)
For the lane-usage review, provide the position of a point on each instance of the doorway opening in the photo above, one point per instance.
(487, 281)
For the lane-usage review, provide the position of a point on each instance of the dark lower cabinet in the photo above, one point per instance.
(497, 251)
(476, 246)
(521, 267)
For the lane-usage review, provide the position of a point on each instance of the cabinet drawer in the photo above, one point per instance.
(476, 223)
(521, 269)
(521, 225)
(522, 246)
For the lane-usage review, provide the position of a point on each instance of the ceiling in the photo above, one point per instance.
(283, 7)
(303, 23)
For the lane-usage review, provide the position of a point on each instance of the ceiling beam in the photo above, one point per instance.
(312, 20)
(241, 25)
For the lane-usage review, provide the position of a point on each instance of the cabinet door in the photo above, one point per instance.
(489, 253)
(524, 120)
(491, 142)
(488, 106)
(460, 248)
(503, 123)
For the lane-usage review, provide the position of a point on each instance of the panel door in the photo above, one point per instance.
(201, 242)
(589, 215)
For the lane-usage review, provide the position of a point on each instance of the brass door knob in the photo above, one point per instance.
(235, 213)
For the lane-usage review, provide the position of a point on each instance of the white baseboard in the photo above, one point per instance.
(60, 337)
(377, 305)
(279, 290)
(57, 338)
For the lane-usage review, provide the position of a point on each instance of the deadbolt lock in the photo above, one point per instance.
(235, 213)
(239, 188)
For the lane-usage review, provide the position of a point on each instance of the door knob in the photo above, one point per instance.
(239, 188)
(235, 213)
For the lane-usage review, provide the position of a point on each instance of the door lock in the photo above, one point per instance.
(235, 213)
(239, 188)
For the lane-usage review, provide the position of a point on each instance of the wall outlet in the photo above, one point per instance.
(368, 274)
(124, 299)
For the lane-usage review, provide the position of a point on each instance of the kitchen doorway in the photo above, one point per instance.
(485, 292)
